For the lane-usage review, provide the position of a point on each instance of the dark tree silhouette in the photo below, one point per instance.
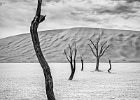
(98, 49)
(72, 59)
(110, 66)
(82, 62)
(46, 69)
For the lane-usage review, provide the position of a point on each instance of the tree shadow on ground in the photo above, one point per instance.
(103, 71)
(97, 71)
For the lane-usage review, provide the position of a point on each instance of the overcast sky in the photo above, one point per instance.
(16, 15)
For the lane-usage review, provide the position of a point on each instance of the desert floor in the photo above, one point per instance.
(25, 81)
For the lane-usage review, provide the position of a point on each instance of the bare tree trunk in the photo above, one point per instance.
(72, 74)
(82, 62)
(72, 71)
(110, 66)
(82, 66)
(46, 69)
(73, 65)
(97, 64)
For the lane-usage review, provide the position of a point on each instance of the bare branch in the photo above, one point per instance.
(75, 51)
(92, 51)
(42, 18)
(66, 55)
(105, 49)
(70, 47)
(102, 46)
(93, 44)
(104, 43)
(100, 35)
(38, 12)
(98, 40)
(75, 58)
(97, 46)
(71, 51)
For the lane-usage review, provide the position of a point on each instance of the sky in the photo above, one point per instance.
(16, 15)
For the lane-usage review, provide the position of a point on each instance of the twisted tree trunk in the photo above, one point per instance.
(46, 69)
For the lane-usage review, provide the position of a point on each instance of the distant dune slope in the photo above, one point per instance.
(125, 45)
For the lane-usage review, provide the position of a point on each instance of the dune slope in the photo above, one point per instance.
(125, 45)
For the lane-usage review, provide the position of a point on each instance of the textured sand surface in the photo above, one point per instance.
(25, 81)
(125, 45)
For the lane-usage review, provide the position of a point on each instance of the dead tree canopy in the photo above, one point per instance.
(46, 69)
(71, 57)
(98, 48)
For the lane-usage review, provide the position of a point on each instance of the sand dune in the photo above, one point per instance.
(125, 45)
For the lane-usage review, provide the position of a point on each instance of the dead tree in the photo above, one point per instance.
(46, 69)
(72, 59)
(82, 62)
(98, 49)
(110, 66)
